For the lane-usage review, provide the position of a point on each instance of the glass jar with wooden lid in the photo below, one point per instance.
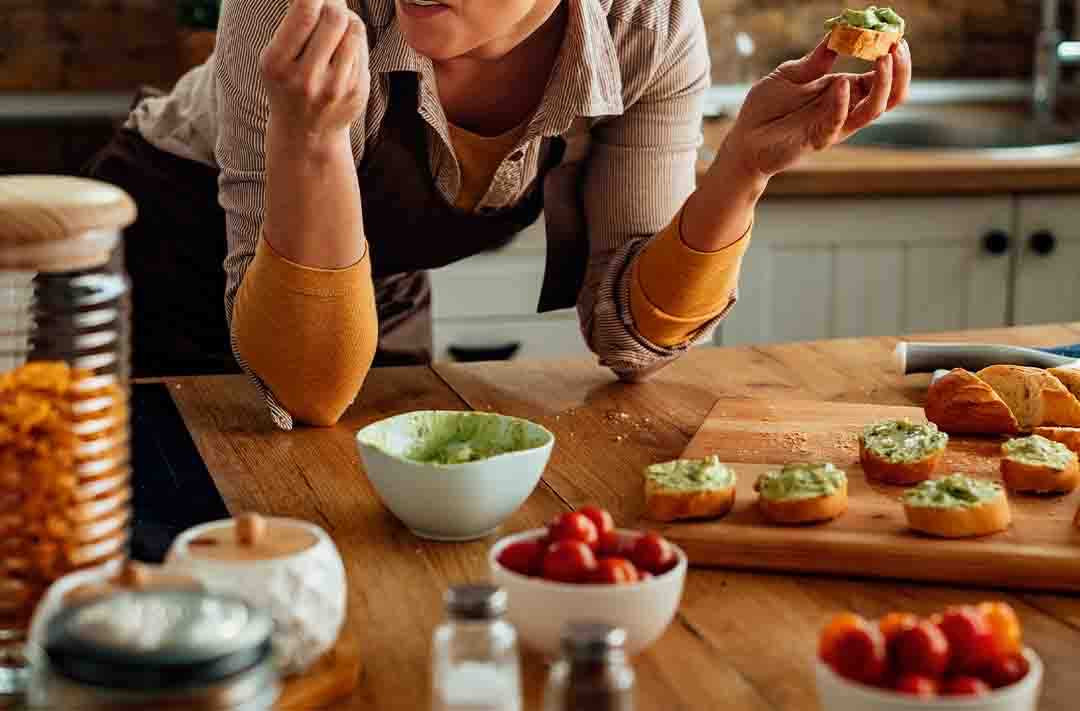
(64, 365)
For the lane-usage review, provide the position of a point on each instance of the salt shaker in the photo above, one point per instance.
(593, 674)
(474, 653)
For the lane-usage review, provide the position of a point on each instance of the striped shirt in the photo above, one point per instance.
(626, 95)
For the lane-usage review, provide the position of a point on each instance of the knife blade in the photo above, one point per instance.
(915, 357)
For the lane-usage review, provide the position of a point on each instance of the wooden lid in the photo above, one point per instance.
(133, 576)
(250, 537)
(56, 222)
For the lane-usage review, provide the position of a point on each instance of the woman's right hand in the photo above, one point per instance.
(316, 71)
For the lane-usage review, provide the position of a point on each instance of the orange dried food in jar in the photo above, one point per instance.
(46, 434)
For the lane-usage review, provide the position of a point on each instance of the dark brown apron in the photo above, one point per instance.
(174, 252)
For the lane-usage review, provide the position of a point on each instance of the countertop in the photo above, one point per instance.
(742, 641)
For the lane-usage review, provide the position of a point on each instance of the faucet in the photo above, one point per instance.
(1052, 52)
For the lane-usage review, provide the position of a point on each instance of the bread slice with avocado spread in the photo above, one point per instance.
(1068, 436)
(867, 34)
(802, 493)
(1039, 465)
(957, 506)
(689, 488)
(901, 452)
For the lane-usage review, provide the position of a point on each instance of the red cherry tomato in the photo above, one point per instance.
(603, 521)
(923, 649)
(917, 685)
(1006, 626)
(971, 640)
(965, 686)
(894, 623)
(523, 557)
(1005, 671)
(574, 526)
(614, 545)
(568, 562)
(614, 571)
(653, 553)
(854, 648)
(644, 575)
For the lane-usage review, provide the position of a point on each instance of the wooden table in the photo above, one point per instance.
(741, 641)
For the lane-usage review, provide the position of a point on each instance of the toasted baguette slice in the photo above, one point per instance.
(864, 44)
(804, 510)
(960, 402)
(1068, 436)
(1076, 519)
(1035, 397)
(688, 496)
(921, 449)
(982, 520)
(1037, 474)
(987, 516)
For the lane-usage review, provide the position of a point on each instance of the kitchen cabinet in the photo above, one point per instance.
(1047, 253)
(830, 268)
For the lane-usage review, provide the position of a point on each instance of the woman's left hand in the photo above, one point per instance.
(800, 108)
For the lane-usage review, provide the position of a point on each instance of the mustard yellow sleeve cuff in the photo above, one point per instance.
(309, 334)
(675, 290)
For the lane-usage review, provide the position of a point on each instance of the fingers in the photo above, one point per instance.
(820, 123)
(293, 33)
(343, 69)
(901, 73)
(877, 102)
(811, 67)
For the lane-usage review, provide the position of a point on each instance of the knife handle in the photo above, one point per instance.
(928, 357)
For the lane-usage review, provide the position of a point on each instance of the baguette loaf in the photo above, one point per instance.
(1069, 377)
(1035, 396)
(962, 403)
(1003, 399)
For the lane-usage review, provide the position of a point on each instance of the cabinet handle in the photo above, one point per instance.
(996, 242)
(1043, 242)
(474, 354)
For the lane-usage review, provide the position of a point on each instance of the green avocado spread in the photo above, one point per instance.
(447, 438)
(1039, 451)
(801, 481)
(691, 474)
(880, 19)
(899, 441)
(953, 491)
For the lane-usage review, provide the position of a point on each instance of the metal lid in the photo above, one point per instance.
(157, 639)
(59, 223)
(475, 602)
(592, 640)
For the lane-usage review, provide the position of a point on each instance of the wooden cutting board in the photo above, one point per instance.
(1041, 551)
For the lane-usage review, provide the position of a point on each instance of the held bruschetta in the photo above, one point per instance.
(867, 34)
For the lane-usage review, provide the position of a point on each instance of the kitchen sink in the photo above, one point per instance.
(974, 128)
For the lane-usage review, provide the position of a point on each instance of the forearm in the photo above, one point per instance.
(313, 213)
(721, 209)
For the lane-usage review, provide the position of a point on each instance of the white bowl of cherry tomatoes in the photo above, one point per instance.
(581, 568)
(968, 658)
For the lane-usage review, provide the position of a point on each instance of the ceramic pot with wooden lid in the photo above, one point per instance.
(64, 368)
(290, 568)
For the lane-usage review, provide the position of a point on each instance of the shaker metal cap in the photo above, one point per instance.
(592, 640)
(157, 639)
(475, 602)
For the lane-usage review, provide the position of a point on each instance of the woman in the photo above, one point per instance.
(330, 155)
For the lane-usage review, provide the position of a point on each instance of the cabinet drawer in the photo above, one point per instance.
(540, 337)
(488, 285)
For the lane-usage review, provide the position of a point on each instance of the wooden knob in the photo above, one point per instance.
(250, 529)
(134, 576)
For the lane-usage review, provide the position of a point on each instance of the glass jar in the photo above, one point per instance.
(64, 453)
(593, 674)
(165, 650)
(474, 653)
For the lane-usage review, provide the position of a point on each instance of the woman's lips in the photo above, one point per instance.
(422, 11)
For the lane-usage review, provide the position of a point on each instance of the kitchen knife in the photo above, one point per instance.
(931, 357)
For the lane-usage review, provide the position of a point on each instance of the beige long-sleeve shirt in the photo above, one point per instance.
(626, 95)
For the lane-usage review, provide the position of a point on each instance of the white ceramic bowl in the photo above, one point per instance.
(453, 502)
(839, 694)
(539, 609)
